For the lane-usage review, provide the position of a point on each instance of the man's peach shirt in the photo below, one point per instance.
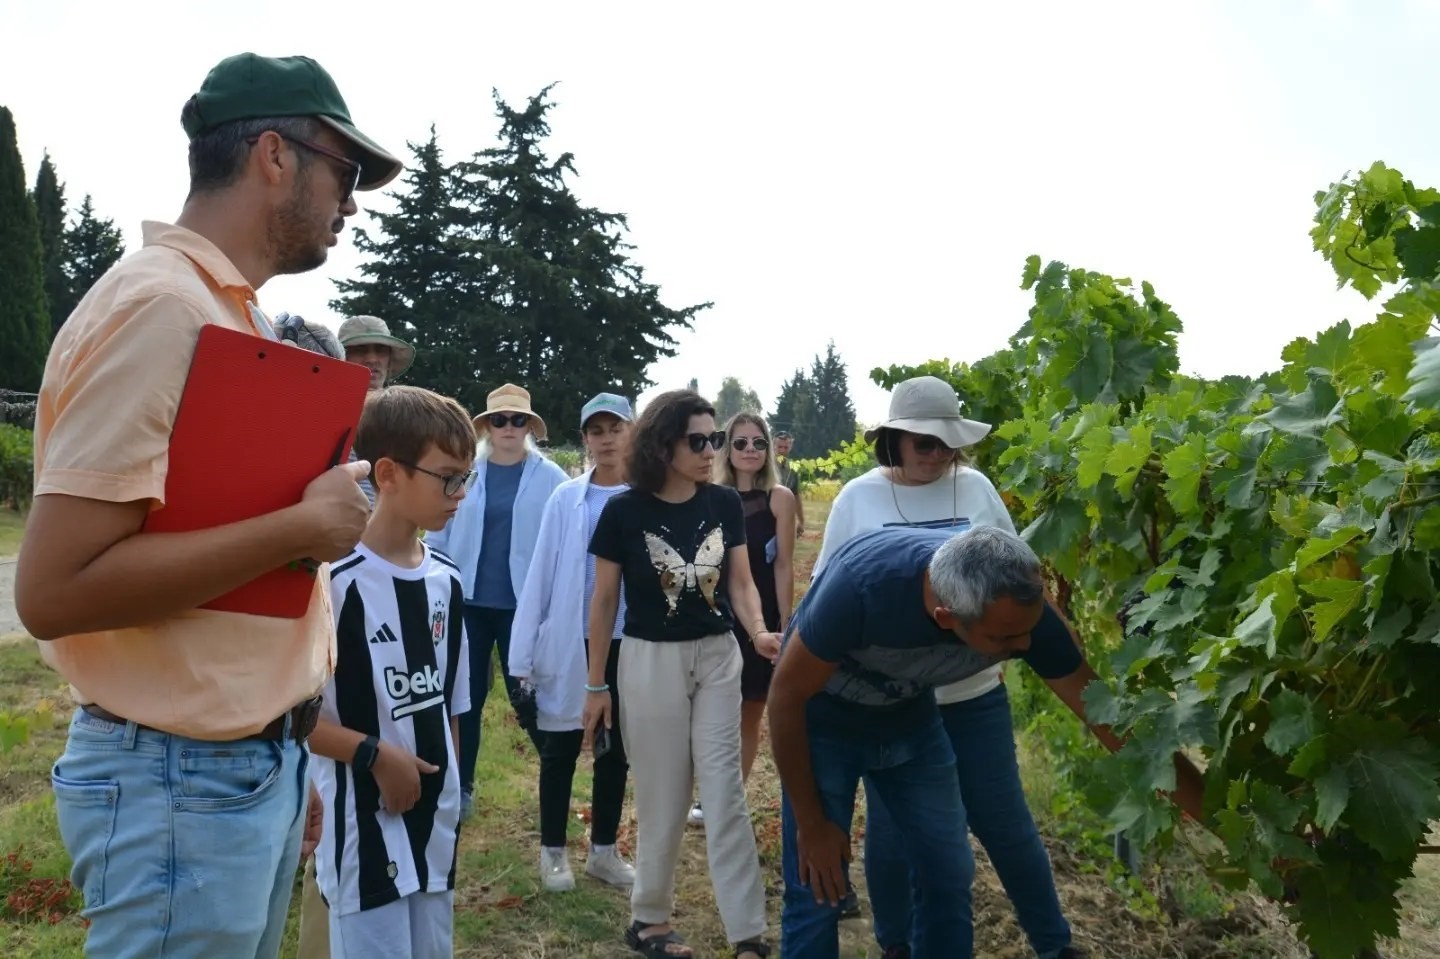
(102, 431)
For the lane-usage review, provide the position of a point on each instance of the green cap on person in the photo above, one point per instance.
(248, 86)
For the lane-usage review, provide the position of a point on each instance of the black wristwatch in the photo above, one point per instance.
(366, 753)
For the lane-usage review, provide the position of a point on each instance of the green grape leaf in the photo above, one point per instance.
(1128, 455)
(1424, 376)
(1094, 450)
(1237, 482)
(1339, 598)
(1427, 632)
(1089, 362)
(1332, 795)
(1184, 469)
(1346, 903)
(1057, 531)
(1426, 532)
(1292, 723)
(1385, 346)
(1389, 628)
(1317, 549)
(1378, 423)
(1394, 784)
(1309, 758)
(1418, 251)
(1258, 629)
(1101, 705)
(1309, 413)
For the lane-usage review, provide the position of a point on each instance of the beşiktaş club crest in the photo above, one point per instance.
(437, 623)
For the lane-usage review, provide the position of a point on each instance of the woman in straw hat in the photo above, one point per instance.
(491, 539)
(924, 479)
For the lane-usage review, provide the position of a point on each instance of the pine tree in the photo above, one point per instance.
(49, 197)
(92, 246)
(795, 411)
(24, 321)
(415, 279)
(834, 411)
(734, 397)
(557, 304)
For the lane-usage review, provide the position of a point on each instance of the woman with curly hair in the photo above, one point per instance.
(679, 543)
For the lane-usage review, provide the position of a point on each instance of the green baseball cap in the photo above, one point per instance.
(248, 86)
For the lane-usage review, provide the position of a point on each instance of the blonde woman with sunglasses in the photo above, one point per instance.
(749, 467)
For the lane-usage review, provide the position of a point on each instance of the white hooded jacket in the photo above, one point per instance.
(547, 639)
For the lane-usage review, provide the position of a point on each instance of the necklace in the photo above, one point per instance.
(954, 496)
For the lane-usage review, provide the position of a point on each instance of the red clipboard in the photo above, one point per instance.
(258, 420)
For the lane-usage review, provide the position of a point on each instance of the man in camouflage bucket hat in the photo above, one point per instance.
(367, 341)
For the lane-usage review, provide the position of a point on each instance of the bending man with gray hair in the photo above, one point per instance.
(895, 613)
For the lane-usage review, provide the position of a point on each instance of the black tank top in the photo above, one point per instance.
(759, 531)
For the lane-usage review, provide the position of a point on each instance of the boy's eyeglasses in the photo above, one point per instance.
(455, 483)
(742, 443)
(501, 420)
(698, 441)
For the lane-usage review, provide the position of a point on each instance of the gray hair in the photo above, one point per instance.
(974, 568)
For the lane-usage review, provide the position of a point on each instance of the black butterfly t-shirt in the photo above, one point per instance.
(672, 560)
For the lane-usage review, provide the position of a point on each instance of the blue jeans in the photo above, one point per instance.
(180, 847)
(486, 629)
(983, 738)
(915, 772)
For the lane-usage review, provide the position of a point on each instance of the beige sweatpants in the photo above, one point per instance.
(314, 918)
(682, 720)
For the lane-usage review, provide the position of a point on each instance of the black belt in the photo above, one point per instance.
(302, 721)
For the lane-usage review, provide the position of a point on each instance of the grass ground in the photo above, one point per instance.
(12, 527)
(501, 912)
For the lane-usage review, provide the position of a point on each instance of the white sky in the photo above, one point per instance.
(874, 173)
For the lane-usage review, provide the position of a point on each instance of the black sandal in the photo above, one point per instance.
(754, 946)
(656, 946)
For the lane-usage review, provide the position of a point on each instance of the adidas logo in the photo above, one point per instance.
(383, 635)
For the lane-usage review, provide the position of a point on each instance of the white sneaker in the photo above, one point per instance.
(555, 871)
(604, 863)
(697, 815)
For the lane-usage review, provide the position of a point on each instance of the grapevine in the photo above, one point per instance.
(1271, 546)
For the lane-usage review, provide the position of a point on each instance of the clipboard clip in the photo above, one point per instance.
(309, 565)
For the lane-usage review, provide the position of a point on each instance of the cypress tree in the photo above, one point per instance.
(24, 319)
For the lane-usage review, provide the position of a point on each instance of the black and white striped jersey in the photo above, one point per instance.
(401, 671)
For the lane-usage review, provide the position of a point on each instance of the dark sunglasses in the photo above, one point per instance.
(501, 420)
(925, 445)
(349, 179)
(698, 441)
(455, 483)
(742, 443)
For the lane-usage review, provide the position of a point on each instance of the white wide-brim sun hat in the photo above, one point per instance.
(928, 406)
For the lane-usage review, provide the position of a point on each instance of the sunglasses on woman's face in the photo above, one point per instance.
(926, 445)
(698, 441)
(501, 420)
(742, 443)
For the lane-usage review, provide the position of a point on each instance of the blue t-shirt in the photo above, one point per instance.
(866, 613)
(493, 587)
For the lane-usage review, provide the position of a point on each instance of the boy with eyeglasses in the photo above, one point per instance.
(388, 737)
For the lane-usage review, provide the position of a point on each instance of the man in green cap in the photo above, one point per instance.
(181, 794)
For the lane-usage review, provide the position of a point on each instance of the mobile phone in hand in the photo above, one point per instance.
(602, 741)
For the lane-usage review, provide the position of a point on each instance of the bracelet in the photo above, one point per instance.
(602, 688)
